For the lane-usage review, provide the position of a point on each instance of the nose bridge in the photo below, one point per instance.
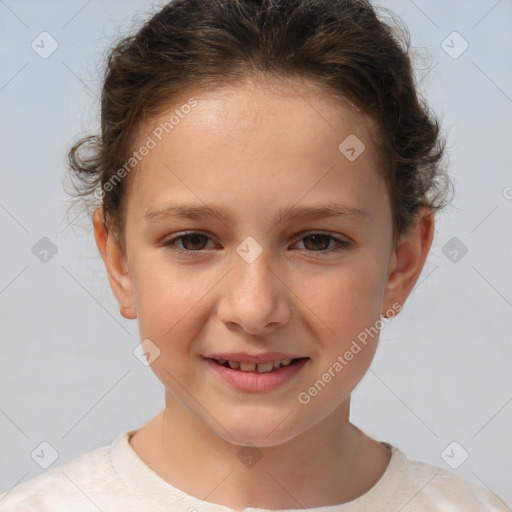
(253, 272)
(254, 295)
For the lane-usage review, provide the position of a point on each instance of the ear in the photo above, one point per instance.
(408, 259)
(115, 261)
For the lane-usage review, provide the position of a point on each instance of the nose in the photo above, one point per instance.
(255, 298)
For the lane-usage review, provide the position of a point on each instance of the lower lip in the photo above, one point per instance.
(257, 382)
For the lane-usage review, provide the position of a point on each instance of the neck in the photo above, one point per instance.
(333, 462)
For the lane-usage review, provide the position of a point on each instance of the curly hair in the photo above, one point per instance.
(339, 45)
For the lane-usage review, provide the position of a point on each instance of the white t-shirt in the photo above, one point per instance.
(113, 478)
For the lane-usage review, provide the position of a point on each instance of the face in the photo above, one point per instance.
(268, 280)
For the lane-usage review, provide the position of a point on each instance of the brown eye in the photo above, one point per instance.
(321, 242)
(191, 243)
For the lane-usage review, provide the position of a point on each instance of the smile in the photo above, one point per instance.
(257, 377)
(256, 367)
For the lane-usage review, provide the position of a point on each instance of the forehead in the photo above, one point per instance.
(263, 138)
(291, 108)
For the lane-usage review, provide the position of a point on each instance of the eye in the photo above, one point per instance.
(193, 242)
(322, 241)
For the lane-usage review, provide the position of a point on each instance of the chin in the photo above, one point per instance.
(257, 438)
(258, 430)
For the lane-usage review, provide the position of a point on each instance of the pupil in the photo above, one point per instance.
(316, 238)
(194, 239)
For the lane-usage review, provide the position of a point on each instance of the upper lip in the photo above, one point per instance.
(243, 357)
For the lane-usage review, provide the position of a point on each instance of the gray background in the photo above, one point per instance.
(67, 369)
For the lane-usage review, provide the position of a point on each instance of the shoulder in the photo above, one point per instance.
(82, 484)
(424, 487)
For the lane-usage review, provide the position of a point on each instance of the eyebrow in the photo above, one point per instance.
(198, 212)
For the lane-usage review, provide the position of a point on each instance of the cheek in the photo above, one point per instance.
(346, 332)
(171, 316)
(344, 301)
(169, 308)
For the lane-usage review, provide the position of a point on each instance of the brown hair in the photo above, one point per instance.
(339, 45)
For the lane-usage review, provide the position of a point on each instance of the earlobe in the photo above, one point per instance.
(116, 264)
(409, 258)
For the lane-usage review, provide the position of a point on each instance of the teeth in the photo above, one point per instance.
(259, 367)
(265, 367)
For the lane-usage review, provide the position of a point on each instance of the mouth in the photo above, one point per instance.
(266, 367)
(257, 374)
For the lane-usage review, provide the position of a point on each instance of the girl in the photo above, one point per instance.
(267, 181)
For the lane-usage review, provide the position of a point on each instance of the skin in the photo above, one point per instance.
(254, 148)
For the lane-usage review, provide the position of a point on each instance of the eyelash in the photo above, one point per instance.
(171, 244)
